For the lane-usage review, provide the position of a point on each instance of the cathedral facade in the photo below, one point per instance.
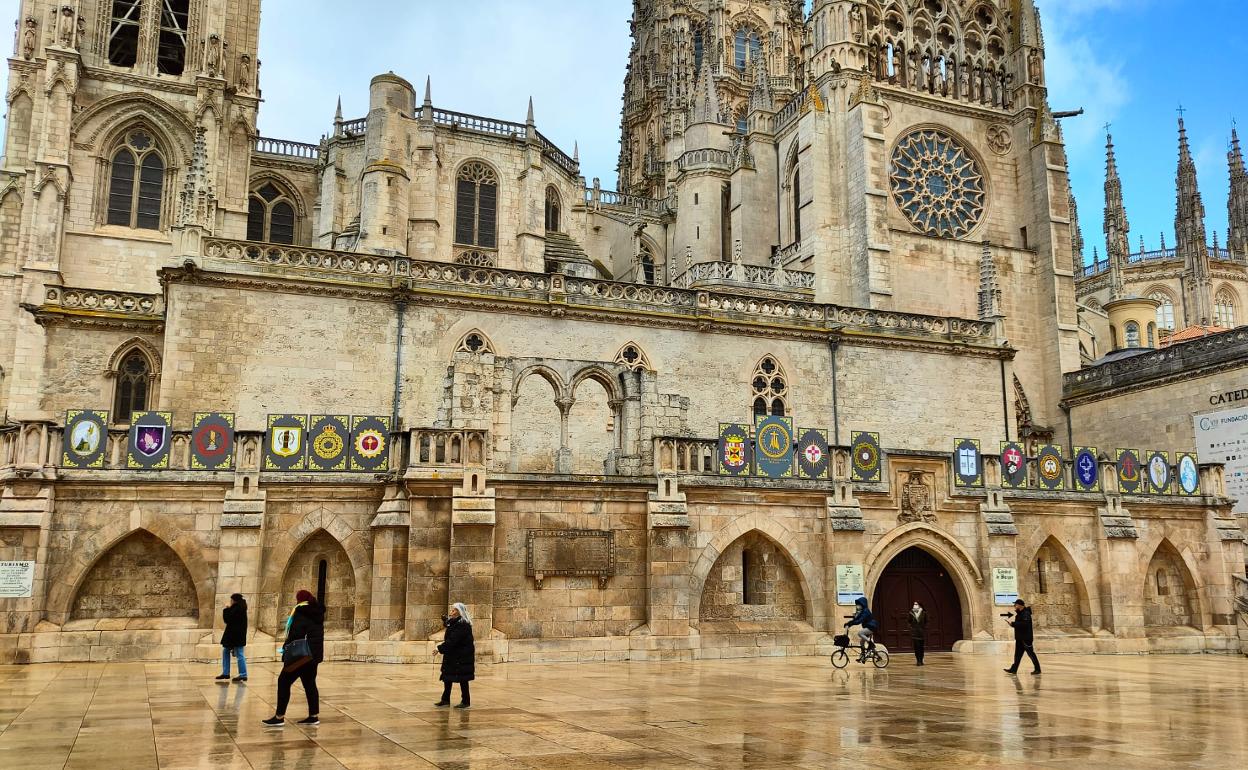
(425, 360)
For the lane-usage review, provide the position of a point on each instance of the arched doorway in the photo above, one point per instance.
(916, 574)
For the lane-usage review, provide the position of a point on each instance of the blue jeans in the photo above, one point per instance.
(225, 660)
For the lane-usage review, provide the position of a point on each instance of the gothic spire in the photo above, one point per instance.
(706, 99)
(1116, 225)
(761, 97)
(1237, 202)
(1191, 244)
(1076, 231)
(989, 289)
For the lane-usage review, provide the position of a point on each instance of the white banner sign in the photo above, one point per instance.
(849, 583)
(1222, 437)
(1004, 585)
(17, 579)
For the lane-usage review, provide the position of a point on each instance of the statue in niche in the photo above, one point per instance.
(896, 66)
(1035, 70)
(244, 74)
(916, 73)
(30, 38)
(212, 55)
(916, 500)
(66, 25)
(944, 80)
(855, 23)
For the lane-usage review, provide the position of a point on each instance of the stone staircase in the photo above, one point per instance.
(564, 255)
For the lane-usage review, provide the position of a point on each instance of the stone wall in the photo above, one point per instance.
(304, 573)
(140, 577)
(1052, 592)
(753, 580)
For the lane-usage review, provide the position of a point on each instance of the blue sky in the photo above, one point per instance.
(1127, 62)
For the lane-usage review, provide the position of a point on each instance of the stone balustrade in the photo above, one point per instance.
(597, 199)
(287, 148)
(351, 128)
(728, 274)
(1176, 359)
(787, 254)
(94, 300)
(705, 158)
(448, 448)
(306, 259)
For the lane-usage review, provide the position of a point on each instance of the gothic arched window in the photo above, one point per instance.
(1224, 309)
(699, 45)
(769, 388)
(476, 206)
(270, 215)
(749, 48)
(171, 44)
(134, 377)
(797, 204)
(1165, 310)
(123, 33)
(136, 181)
(646, 260)
(553, 206)
(1131, 333)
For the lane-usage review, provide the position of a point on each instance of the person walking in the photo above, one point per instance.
(234, 638)
(1024, 637)
(459, 654)
(917, 620)
(302, 652)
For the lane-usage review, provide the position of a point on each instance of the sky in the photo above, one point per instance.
(1130, 63)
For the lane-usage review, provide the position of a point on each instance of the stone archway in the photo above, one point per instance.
(961, 568)
(753, 580)
(917, 575)
(1171, 595)
(139, 576)
(1055, 590)
(321, 565)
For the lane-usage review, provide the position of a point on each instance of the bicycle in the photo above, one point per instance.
(840, 657)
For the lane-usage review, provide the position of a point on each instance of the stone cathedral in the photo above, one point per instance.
(425, 360)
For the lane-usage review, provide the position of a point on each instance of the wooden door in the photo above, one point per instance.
(915, 574)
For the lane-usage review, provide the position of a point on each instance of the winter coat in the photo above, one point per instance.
(863, 616)
(918, 626)
(1022, 626)
(235, 634)
(309, 621)
(459, 652)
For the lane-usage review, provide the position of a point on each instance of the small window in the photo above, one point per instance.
(322, 575)
(698, 47)
(171, 42)
(1224, 309)
(1131, 332)
(1042, 581)
(646, 264)
(133, 383)
(553, 206)
(136, 183)
(749, 48)
(743, 125)
(270, 215)
(476, 206)
(1165, 310)
(769, 389)
(797, 205)
(123, 33)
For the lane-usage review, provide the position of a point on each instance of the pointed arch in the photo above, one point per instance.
(546, 373)
(769, 388)
(600, 374)
(967, 577)
(139, 576)
(476, 342)
(355, 544)
(321, 565)
(98, 125)
(753, 580)
(1226, 307)
(631, 356)
(786, 541)
(134, 370)
(1172, 590)
(134, 343)
(1054, 587)
(275, 211)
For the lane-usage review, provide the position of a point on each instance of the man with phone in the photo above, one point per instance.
(1024, 638)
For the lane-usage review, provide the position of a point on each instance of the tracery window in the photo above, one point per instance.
(270, 215)
(123, 33)
(749, 48)
(1165, 310)
(476, 206)
(136, 182)
(937, 184)
(698, 45)
(1224, 309)
(133, 378)
(797, 204)
(1131, 333)
(553, 207)
(646, 260)
(769, 388)
(171, 42)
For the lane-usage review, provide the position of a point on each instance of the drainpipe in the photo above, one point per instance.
(1070, 433)
(1005, 402)
(836, 420)
(400, 306)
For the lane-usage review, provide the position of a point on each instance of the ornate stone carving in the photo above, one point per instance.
(212, 55)
(937, 184)
(916, 500)
(30, 38)
(999, 139)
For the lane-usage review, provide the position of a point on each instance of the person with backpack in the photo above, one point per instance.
(302, 652)
(234, 638)
(866, 634)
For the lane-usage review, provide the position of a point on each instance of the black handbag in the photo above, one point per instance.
(296, 649)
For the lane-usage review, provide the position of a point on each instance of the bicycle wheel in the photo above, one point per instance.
(839, 658)
(881, 659)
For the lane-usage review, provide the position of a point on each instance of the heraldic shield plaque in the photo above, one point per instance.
(865, 463)
(1013, 465)
(813, 456)
(1159, 473)
(86, 436)
(148, 444)
(1050, 468)
(327, 442)
(369, 450)
(1087, 471)
(286, 442)
(734, 455)
(967, 465)
(1130, 472)
(773, 448)
(212, 441)
(1187, 474)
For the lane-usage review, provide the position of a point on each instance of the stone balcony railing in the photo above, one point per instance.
(301, 258)
(125, 303)
(438, 448)
(706, 158)
(744, 276)
(287, 148)
(1185, 358)
(597, 199)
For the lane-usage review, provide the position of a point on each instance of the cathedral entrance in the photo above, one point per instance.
(914, 574)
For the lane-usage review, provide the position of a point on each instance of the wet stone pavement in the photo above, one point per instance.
(1084, 712)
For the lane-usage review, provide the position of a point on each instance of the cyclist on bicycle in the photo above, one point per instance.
(866, 634)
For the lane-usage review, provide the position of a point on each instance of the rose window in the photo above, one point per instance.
(937, 184)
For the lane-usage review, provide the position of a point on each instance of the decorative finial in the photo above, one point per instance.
(338, 111)
(529, 118)
(428, 91)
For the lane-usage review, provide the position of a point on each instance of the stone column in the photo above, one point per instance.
(389, 589)
(666, 635)
(563, 456)
(1122, 598)
(843, 544)
(240, 563)
(472, 558)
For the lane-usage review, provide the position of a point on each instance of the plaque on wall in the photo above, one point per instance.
(212, 441)
(86, 438)
(1188, 474)
(1013, 465)
(1087, 470)
(813, 454)
(286, 444)
(1050, 468)
(148, 444)
(735, 452)
(1159, 473)
(570, 552)
(1130, 471)
(864, 456)
(327, 442)
(370, 444)
(967, 467)
(773, 447)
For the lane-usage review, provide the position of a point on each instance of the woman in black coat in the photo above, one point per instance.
(306, 621)
(459, 654)
(917, 620)
(234, 639)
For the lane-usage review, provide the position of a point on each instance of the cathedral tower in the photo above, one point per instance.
(1117, 229)
(1190, 243)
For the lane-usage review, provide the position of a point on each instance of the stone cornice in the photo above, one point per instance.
(1186, 361)
(48, 315)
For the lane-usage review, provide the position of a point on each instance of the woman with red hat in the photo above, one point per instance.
(302, 652)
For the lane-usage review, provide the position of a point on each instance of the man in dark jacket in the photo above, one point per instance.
(234, 639)
(1024, 639)
(864, 618)
(459, 654)
(306, 621)
(917, 620)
